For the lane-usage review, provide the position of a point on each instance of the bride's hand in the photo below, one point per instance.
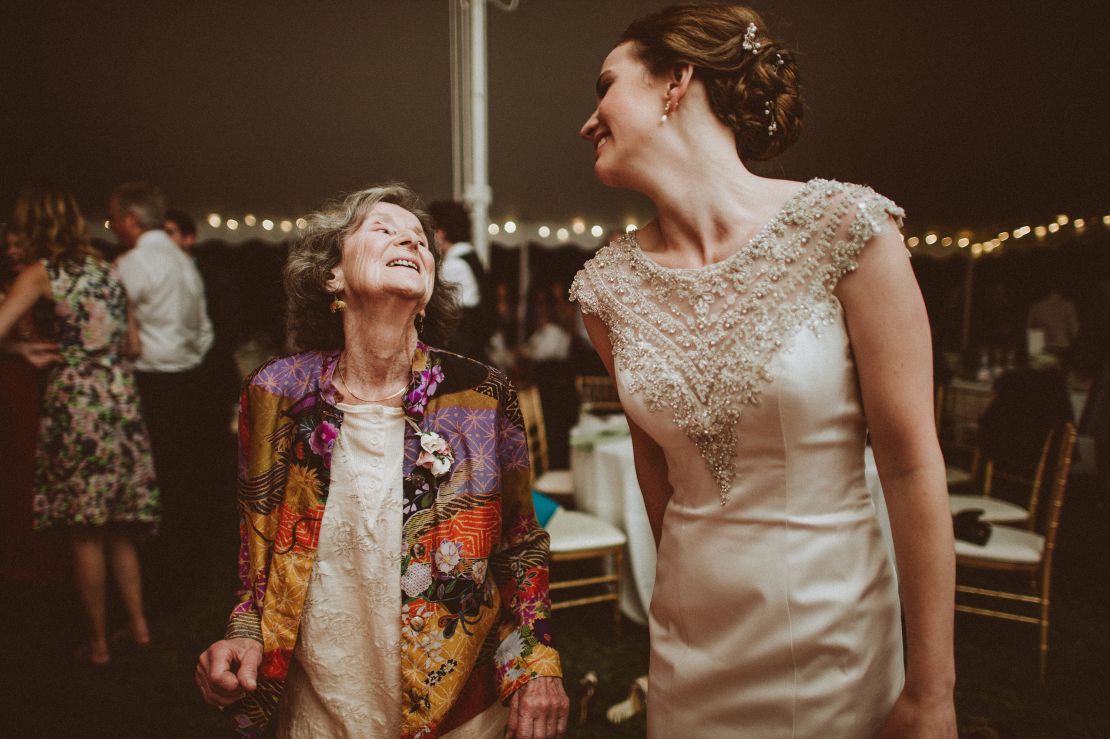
(918, 718)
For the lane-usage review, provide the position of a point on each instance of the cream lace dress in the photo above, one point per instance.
(345, 679)
(775, 611)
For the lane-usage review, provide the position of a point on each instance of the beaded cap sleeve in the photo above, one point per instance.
(700, 342)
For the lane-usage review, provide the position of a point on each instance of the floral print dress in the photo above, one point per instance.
(93, 464)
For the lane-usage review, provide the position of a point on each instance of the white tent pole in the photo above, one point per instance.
(478, 192)
(459, 66)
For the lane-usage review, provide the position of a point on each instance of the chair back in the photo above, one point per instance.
(1018, 431)
(597, 394)
(1017, 480)
(532, 410)
(957, 409)
(1061, 470)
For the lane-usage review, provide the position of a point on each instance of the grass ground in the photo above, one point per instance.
(150, 693)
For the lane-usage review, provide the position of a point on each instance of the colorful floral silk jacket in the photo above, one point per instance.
(475, 603)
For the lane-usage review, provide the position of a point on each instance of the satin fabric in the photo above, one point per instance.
(775, 614)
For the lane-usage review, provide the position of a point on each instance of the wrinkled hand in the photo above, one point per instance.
(539, 710)
(920, 719)
(228, 670)
(40, 354)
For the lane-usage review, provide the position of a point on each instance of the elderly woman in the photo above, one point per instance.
(394, 576)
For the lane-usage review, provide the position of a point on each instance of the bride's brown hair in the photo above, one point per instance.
(754, 91)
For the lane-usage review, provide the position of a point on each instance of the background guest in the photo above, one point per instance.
(167, 295)
(93, 472)
(23, 557)
(463, 268)
(182, 228)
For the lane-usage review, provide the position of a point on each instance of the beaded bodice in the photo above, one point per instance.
(700, 342)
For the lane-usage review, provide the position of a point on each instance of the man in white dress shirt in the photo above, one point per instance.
(463, 268)
(167, 298)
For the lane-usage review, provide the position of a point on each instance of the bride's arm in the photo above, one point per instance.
(889, 332)
(651, 466)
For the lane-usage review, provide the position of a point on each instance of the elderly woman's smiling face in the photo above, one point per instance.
(387, 255)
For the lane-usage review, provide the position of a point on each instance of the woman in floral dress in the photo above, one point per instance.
(93, 470)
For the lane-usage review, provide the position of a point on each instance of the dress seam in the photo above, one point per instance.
(786, 558)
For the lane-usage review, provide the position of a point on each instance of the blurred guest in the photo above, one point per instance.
(503, 340)
(23, 556)
(463, 268)
(218, 374)
(550, 340)
(167, 295)
(546, 355)
(182, 228)
(1057, 317)
(370, 453)
(93, 471)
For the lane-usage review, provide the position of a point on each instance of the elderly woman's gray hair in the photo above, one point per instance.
(310, 324)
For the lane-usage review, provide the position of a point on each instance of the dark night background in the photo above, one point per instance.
(978, 115)
(967, 113)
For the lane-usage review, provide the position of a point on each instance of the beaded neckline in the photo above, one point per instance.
(699, 342)
(767, 228)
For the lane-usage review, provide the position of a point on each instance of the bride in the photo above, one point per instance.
(758, 330)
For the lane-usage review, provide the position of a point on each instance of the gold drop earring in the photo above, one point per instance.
(666, 110)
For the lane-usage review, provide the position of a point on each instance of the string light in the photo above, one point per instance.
(961, 239)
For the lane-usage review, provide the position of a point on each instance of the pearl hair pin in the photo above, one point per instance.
(750, 44)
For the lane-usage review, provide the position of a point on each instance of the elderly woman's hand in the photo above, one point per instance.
(539, 709)
(228, 670)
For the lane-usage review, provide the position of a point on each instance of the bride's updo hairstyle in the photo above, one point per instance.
(752, 79)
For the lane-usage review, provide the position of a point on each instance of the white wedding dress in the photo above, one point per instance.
(775, 611)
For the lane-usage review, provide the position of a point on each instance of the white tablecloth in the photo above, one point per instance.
(605, 485)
